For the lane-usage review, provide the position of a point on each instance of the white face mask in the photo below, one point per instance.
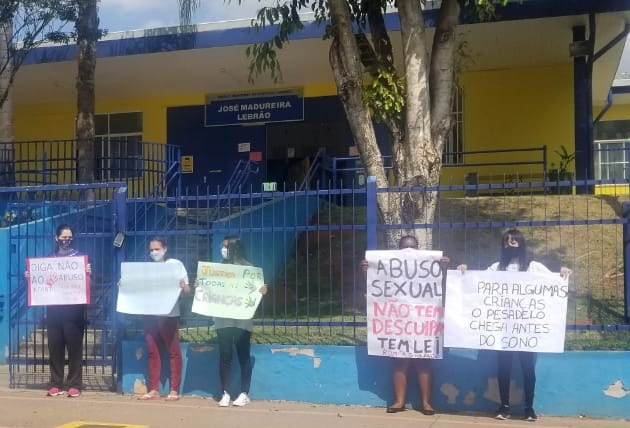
(224, 252)
(157, 255)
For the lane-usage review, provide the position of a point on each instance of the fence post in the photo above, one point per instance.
(119, 209)
(371, 216)
(626, 259)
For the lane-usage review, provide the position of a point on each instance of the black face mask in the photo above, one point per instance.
(511, 252)
(65, 244)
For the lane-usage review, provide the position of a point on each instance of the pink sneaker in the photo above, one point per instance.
(73, 392)
(54, 391)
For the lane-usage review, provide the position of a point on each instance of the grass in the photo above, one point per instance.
(321, 282)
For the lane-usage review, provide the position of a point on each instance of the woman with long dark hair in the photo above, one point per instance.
(234, 333)
(514, 258)
(65, 326)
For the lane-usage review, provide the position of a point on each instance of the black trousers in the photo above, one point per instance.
(528, 366)
(229, 338)
(65, 325)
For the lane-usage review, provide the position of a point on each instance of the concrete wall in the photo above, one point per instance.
(573, 383)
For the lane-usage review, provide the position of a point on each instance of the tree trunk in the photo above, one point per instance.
(6, 107)
(442, 75)
(421, 161)
(346, 66)
(87, 35)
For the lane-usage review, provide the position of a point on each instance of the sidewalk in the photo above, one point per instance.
(31, 409)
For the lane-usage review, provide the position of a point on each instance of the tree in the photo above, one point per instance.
(87, 36)
(414, 102)
(24, 25)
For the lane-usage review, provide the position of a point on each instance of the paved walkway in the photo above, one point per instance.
(21, 408)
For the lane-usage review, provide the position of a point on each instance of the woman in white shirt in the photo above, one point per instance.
(514, 259)
(163, 330)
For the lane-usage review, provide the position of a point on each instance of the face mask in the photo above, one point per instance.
(64, 244)
(224, 252)
(511, 252)
(157, 255)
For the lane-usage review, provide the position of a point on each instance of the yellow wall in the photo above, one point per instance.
(515, 108)
(615, 112)
(56, 121)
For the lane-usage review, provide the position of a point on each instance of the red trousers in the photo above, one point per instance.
(160, 331)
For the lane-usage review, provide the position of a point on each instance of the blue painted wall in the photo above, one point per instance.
(569, 384)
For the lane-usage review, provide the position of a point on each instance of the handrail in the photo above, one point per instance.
(336, 161)
(317, 165)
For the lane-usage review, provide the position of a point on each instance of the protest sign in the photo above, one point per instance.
(148, 288)
(404, 303)
(58, 281)
(509, 311)
(227, 291)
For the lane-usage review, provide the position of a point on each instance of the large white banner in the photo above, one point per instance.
(58, 281)
(506, 311)
(404, 303)
(148, 288)
(227, 291)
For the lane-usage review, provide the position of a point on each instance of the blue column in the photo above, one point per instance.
(626, 259)
(371, 207)
(583, 114)
(119, 220)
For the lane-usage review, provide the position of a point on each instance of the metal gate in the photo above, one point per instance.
(31, 218)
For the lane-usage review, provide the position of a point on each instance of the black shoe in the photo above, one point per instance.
(428, 412)
(391, 409)
(530, 415)
(503, 413)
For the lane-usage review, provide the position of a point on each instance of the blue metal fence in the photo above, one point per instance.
(147, 168)
(88, 209)
(310, 253)
(310, 244)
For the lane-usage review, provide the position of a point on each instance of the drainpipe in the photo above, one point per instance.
(609, 101)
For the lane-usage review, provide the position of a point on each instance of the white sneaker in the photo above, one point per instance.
(241, 400)
(225, 400)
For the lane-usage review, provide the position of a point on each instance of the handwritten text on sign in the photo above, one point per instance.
(58, 281)
(510, 311)
(404, 303)
(227, 291)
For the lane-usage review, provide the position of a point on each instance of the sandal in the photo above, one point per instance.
(172, 396)
(150, 396)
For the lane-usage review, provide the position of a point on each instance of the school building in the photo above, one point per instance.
(537, 78)
(537, 86)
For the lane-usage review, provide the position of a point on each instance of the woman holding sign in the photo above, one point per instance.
(421, 367)
(514, 259)
(235, 333)
(163, 330)
(65, 325)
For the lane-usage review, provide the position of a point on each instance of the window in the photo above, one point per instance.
(455, 143)
(118, 146)
(612, 143)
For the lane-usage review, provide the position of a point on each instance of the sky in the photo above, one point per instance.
(120, 15)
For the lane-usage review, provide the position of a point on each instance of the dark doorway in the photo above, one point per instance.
(292, 147)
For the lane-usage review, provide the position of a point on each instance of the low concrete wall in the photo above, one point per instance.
(569, 384)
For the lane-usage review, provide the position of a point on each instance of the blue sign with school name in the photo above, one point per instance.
(277, 107)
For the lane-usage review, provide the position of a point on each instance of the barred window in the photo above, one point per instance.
(612, 142)
(118, 146)
(453, 150)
